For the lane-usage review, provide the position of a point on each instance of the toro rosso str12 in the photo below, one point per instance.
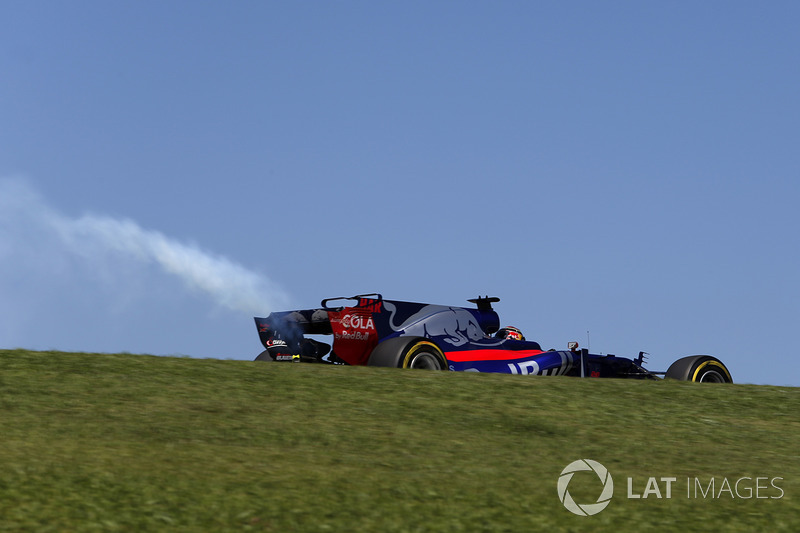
(377, 332)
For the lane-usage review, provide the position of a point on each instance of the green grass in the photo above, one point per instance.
(96, 442)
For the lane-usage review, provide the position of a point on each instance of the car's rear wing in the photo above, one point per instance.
(290, 326)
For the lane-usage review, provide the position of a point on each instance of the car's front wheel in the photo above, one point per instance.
(408, 352)
(699, 368)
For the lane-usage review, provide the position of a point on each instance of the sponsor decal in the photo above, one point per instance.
(275, 342)
(531, 368)
(363, 323)
(354, 336)
(371, 305)
(525, 368)
(355, 327)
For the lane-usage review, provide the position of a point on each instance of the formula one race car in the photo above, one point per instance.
(391, 333)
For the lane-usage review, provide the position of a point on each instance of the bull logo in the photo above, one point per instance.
(454, 325)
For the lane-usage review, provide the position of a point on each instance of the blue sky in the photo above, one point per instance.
(623, 174)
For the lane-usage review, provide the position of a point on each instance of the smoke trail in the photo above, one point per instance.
(26, 218)
(228, 283)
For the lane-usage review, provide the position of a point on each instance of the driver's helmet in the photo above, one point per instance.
(510, 332)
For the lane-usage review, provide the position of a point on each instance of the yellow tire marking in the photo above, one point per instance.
(414, 349)
(712, 363)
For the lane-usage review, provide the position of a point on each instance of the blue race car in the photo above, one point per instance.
(391, 333)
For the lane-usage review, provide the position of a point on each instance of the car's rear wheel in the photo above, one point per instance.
(408, 352)
(700, 369)
(264, 356)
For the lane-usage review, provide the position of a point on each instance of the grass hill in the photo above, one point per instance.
(99, 442)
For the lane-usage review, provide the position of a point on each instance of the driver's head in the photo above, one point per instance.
(510, 332)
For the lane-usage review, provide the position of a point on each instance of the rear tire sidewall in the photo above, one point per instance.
(408, 352)
(424, 355)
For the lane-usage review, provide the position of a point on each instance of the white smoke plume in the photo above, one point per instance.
(28, 225)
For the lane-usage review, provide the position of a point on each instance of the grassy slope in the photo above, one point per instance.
(134, 443)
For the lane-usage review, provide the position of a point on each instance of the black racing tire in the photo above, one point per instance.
(408, 352)
(700, 369)
(264, 356)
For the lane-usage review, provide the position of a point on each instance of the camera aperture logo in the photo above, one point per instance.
(586, 509)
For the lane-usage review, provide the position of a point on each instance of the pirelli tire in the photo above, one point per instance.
(408, 352)
(700, 369)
